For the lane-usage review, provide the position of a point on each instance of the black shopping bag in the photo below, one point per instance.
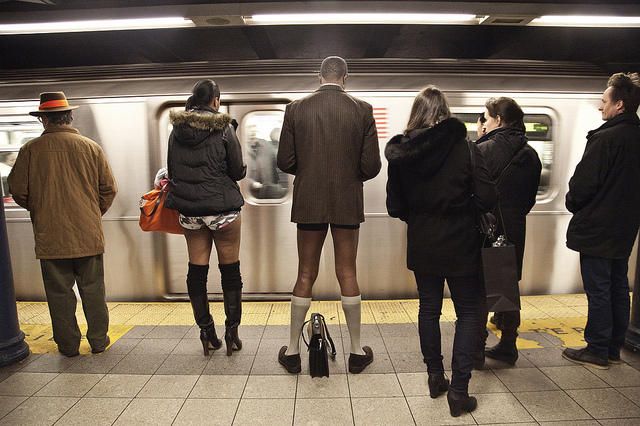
(500, 273)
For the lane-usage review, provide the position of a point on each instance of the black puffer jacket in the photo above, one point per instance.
(204, 162)
(517, 184)
(430, 186)
(603, 192)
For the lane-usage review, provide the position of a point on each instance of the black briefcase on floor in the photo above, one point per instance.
(320, 346)
(500, 272)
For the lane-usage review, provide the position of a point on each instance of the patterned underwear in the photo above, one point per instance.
(216, 222)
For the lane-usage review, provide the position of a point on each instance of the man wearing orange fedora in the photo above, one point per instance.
(65, 182)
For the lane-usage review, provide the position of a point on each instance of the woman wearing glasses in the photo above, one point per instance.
(431, 180)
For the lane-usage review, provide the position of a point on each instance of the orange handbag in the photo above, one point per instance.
(154, 216)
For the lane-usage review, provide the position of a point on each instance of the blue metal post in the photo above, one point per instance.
(13, 348)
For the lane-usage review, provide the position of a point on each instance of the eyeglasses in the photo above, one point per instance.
(481, 119)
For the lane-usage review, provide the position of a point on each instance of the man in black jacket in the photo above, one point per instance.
(605, 203)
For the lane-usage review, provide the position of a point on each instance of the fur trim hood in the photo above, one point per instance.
(425, 150)
(194, 126)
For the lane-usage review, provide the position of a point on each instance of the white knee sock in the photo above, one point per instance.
(299, 308)
(351, 307)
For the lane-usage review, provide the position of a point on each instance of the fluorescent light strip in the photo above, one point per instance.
(586, 21)
(362, 18)
(95, 25)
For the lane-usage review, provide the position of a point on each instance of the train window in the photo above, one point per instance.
(261, 134)
(14, 132)
(540, 135)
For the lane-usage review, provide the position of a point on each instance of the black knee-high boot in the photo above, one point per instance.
(197, 288)
(232, 292)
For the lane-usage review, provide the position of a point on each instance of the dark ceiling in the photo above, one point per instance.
(609, 48)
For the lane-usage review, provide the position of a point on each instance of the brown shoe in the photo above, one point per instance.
(290, 362)
(101, 349)
(357, 363)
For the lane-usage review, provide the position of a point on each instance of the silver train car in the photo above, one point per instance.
(126, 110)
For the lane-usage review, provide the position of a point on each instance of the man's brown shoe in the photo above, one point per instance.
(102, 348)
(290, 362)
(357, 363)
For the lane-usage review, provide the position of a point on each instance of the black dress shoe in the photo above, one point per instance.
(585, 357)
(357, 363)
(290, 362)
(460, 403)
(615, 359)
(102, 348)
(437, 384)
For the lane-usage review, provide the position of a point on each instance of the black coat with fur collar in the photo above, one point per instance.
(204, 162)
(430, 187)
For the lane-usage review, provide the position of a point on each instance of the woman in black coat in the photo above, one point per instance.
(515, 167)
(204, 162)
(433, 187)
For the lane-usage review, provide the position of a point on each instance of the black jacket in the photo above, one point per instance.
(517, 184)
(430, 187)
(204, 162)
(603, 192)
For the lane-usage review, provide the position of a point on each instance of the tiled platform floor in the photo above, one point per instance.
(156, 374)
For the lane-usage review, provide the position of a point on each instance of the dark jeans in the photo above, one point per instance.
(465, 292)
(607, 287)
(59, 275)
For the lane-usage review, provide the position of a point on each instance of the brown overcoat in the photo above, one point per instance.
(65, 182)
(330, 143)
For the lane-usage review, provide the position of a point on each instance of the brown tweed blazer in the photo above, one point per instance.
(330, 143)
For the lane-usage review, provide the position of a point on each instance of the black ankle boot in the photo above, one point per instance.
(505, 350)
(460, 403)
(437, 384)
(232, 293)
(209, 339)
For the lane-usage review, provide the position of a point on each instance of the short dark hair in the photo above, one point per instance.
(333, 68)
(508, 110)
(59, 118)
(626, 88)
(203, 93)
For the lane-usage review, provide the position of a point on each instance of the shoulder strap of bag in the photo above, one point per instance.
(472, 156)
(518, 152)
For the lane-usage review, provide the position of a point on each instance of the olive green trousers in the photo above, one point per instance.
(59, 276)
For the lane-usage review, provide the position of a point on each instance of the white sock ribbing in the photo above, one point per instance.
(352, 312)
(299, 308)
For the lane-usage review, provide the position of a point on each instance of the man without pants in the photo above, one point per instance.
(606, 214)
(65, 182)
(330, 143)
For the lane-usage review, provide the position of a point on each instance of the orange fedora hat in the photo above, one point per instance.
(52, 102)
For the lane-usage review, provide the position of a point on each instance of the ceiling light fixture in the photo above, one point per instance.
(586, 21)
(363, 18)
(95, 25)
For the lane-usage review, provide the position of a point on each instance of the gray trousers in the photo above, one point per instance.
(59, 275)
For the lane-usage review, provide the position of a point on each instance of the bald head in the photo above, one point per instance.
(333, 70)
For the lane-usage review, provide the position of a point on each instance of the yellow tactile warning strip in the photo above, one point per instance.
(562, 317)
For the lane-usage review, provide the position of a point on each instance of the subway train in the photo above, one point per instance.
(126, 110)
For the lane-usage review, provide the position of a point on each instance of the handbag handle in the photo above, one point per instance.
(163, 193)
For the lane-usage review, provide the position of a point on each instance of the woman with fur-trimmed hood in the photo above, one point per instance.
(204, 162)
(434, 188)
